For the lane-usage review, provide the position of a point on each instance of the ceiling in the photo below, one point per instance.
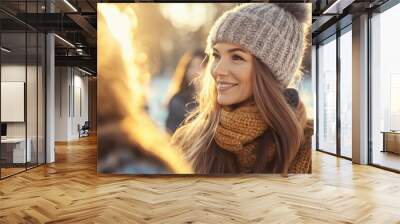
(74, 21)
(331, 15)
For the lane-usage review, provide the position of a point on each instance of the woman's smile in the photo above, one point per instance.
(223, 86)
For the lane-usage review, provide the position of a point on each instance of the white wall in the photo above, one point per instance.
(61, 103)
(81, 100)
(71, 94)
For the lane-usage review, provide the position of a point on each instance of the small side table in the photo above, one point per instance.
(391, 141)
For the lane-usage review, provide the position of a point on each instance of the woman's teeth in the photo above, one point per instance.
(225, 86)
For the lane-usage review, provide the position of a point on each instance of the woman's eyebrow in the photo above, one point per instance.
(236, 49)
(232, 50)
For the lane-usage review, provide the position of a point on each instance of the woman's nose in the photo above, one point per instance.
(220, 68)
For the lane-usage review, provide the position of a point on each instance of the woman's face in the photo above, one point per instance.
(231, 68)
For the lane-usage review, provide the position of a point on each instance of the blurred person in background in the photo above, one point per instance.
(182, 89)
(247, 119)
(129, 142)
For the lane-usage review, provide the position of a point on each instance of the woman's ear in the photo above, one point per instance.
(292, 97)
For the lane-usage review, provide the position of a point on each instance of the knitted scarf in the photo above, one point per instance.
(238, 131)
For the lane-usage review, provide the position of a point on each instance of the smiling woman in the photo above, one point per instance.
(247, 120)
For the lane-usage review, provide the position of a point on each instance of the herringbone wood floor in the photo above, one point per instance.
(70, 191)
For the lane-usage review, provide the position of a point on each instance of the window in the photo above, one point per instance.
(346, 93)
(385, 87)
(327, 96)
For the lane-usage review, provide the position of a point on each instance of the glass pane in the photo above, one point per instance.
(31, 97)
(13, 86)
(346, 94)
(313, 83)
(386, 89)
(31, 86)
(41, 98)
(327, 97)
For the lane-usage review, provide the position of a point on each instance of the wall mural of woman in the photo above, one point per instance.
(247, 116)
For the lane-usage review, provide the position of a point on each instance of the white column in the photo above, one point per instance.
(360, 90)
(50, 92)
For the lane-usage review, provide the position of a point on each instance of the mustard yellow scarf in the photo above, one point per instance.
(238, 131)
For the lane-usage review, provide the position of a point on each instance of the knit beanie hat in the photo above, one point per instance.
(274, 33)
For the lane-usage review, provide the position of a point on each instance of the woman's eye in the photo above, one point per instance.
(237, 57)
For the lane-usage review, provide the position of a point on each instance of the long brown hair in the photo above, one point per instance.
(195, 136)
